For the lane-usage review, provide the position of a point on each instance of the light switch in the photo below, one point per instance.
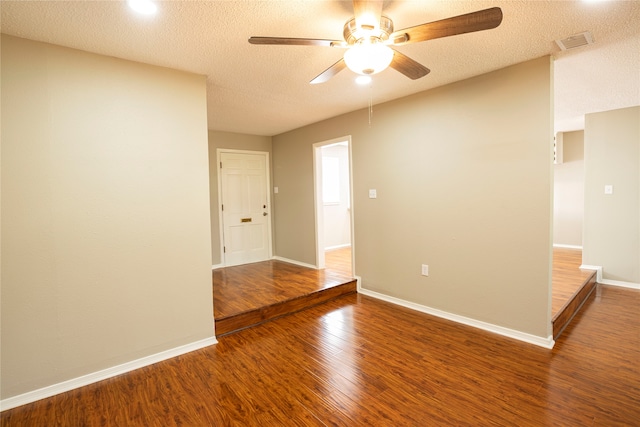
(608, 189)
(373, 193)
(275, 190)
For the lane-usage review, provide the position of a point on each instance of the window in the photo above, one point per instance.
(330, 180)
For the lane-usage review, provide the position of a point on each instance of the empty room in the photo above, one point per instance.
(320, 213)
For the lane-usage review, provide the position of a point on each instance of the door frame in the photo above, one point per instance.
(319, 205)
(219, 152)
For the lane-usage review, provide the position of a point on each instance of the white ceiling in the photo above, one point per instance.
(265, 90)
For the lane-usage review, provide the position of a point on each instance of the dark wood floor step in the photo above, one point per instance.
(237, 322)
(571, 307)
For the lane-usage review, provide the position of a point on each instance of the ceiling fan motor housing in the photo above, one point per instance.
(353, 33)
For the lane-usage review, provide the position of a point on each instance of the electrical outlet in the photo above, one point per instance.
(425, 270)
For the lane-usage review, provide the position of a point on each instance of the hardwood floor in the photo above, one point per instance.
(245, 287)
(235, 291)
(339, 260)
(250, 294)
(247, 295)
(571, 287)
(357, 361)
(567, 277)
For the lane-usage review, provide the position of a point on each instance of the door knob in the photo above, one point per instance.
(264, 214)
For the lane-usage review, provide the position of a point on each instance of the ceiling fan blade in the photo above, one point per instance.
(407, 66)
(294, 41)
(329, 72)
(475, 21)
(367, 13)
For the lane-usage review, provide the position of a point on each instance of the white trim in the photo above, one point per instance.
(334, 248)
(318, 208)
(291, 261)
(104, 374)
(597, 268)
(600, 280)
(317, 196)
(559, 245)
(619, 283)
(510, 333)
(217, 266)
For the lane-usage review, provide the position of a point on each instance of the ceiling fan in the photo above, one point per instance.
(369, 35)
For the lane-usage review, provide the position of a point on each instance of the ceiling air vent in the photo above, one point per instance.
(577, 40)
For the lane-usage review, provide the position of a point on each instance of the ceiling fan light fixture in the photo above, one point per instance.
(144, 7)
(363, 80)
(367, 39)
(367, 58)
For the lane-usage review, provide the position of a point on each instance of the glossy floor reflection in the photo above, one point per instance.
(247, 287)
(567, 277)
(241, 288)
(357, 361)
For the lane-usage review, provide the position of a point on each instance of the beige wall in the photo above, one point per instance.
(568, 201)
(612, 222)
(464, 179)
(105, 213)
(232, 141)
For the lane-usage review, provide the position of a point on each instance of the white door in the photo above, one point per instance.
(245, 207)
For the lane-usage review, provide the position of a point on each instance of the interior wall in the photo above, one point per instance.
(463, 175)
(105, 213)
(568, 184)
(612, 221)
(337, 216)
(232, 141)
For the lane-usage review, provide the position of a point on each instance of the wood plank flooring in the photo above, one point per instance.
(339, 369)
(250, 294)
(357, 361)
(571, 287)
(339, 260)
(567, 277)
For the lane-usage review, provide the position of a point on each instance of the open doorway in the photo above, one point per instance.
(568, 190)
(334, 217)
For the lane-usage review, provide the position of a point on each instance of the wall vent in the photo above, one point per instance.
(575, 41)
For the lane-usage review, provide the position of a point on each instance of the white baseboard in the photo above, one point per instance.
(610, 282)
(622, 284)
(334, 248)
(597, 268)
(291, 261)
(559, 245)
(94, 377)
(277, 258)
(510, 333)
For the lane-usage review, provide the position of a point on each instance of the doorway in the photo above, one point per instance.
(245, 206)
(333, 201)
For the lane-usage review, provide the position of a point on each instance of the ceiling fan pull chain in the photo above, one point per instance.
(370, 103)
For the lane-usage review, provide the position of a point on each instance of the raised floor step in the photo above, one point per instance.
(572, 306)
(236, 322)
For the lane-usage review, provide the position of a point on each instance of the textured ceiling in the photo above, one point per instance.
(265, 90)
